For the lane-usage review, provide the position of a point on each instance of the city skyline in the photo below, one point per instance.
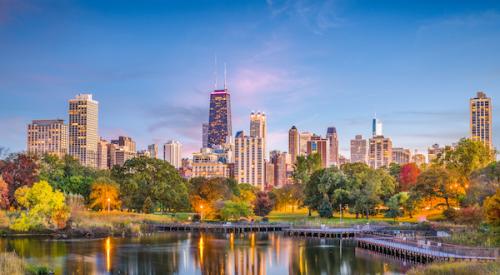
(310, 86)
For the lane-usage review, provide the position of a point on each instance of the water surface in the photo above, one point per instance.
(200, 253)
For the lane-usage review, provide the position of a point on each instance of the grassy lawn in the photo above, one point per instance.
(458, 268)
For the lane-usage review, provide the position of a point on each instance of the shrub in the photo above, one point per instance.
(325, 210)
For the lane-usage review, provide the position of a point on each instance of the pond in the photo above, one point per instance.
(203, 253)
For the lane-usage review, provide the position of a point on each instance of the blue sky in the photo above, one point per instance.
(312, 64)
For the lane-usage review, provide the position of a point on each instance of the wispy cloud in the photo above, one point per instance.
(318, 16)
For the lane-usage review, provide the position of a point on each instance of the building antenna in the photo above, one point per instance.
(215, 72)
(225, 76)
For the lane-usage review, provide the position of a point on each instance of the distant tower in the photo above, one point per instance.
(481, 119)
(293, 143)
(331, 135)
(249, 160)
(219, 119)
(258, 128)
(153, 150)
(376, 127)
(82, 128)
(172, 153)
(48, 137)
(204, 135)
(359, 149)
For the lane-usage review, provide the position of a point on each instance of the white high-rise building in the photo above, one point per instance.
(172, 153)
(83, 129)
(249, 160)
(258, 127)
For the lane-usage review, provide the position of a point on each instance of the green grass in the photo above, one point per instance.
(12, 264)
(302, 218)
(457, 268)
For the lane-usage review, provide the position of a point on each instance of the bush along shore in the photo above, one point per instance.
(457, 268)
(12, 264)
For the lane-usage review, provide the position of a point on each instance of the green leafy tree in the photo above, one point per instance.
(484, 183)
(246, 192)
(305, 166)
(144, 177)
(325, 209)
(437, 182)
(234, 210)
(396, 205)
(44, 208)
(467, 157)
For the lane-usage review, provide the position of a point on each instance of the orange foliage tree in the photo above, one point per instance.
(408, 176)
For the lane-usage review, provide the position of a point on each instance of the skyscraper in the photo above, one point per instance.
(320, 146)
(219, 120)
(434, 152)
(123, 150)
(376, 127)
(47, 137)
(258, 127)
(380, 153)
(359, 149)
(102, 154)
(304, 137)
(172, 153)
(249, 160)
(278, 161)
(153, 150)
(293, 143)
(481, 119)
(333, 140)
(401, 155)
(83, 129)
(204, 135)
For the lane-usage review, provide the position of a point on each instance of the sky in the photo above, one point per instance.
(312, 64)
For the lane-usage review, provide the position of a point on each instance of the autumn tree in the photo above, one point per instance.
(437, 182)
(43, 207)
(492, 208)
(105, 194)
(408, 176)
(262, 204)
(17, 171)
(207, 195)
(4, 194)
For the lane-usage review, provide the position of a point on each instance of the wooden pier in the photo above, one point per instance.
(222, 227)
(366, 237)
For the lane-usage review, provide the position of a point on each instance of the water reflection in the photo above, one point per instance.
(194, 253)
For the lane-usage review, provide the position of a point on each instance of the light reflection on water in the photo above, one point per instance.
(201, 253)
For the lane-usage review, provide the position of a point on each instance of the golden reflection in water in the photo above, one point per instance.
(200, 248)
(108, 254)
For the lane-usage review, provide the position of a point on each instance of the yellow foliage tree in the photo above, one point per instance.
(44, 208)
(105, 193)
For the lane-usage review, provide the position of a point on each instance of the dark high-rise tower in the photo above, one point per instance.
(219, 120)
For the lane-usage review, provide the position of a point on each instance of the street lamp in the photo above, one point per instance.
(109, 205)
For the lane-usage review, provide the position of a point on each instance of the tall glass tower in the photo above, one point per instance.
(219, 119)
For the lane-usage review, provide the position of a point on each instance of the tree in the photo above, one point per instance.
(17, 171)
(396, 205)
(148, 206)
(437, 182)
(483, 183)
(492, 208)
(368, 187)
(233, 210)
(408, 176)
(44, 208)
(465, 158)
(328, 185)
(207, 195)
(262, 204)
(288, 195)
(144, 177)
(305, 166)
(68, 175)
(105, 194)
(246, 192)
(325, 209)
(4, 194)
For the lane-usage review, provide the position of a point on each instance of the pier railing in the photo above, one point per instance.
(439, 247)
